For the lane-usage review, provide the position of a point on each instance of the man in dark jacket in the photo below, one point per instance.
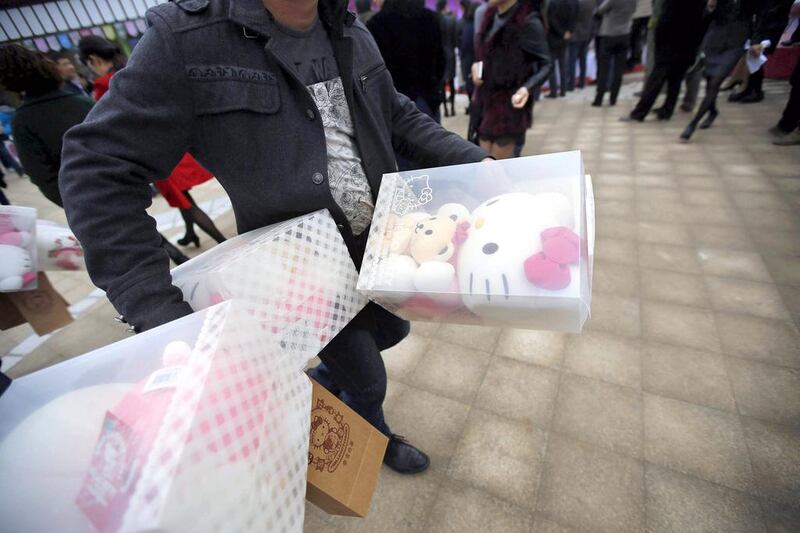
(292, 109)
(449, 27)
(579, 43)
(678, 34)
(562, 16)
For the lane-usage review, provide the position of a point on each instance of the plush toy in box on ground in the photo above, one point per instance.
(299, 271)
(17, 248)
(190, 427)
(498, 242)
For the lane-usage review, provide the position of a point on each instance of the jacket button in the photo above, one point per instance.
(310, 114)
(340, 226)
(317, 178)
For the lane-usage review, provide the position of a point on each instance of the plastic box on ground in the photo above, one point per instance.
(198, 425)
(299, 271)
(505, 243)
(18, 258)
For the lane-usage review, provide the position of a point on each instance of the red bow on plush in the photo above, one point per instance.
(549, 269)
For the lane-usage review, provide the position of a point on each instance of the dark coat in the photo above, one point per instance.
(562, 16)
(679, 31)
(410, 41)
(204, 80)
(449, 27)
(516, 55)
(39, 125)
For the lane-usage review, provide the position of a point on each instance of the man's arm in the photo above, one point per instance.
(135, 134)
(417, 137)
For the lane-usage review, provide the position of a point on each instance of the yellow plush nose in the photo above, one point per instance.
(479, 223)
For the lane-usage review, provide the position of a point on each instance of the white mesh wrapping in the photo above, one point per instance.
(299, 271)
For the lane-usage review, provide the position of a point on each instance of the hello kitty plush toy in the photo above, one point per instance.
(17, 266)
(520, 246)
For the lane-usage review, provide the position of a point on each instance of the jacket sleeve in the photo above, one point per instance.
(418, 137)
(37, 161)
(605, 7)
(534, 44)
(771, 20)
(554, 20)
(135, 135)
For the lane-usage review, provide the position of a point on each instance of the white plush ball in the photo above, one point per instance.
(434, 277)
(14, 262)
(396, 277)
(44, 460)
(456, 212)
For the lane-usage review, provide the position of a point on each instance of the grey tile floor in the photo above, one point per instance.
(678, 409)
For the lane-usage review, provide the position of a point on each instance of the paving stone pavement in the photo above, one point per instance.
(678, 409)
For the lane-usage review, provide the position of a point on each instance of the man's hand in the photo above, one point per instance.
(711, 5)
(520, 98)
(477, 74)
(567, 35)
(756, 50)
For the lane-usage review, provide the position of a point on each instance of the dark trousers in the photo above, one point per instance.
(352, 368)
(672, 75)
(8, 160)
(577, 54)
(692, 81)
(558, 54)
(791, 113)
(611, 55)
(638, 38)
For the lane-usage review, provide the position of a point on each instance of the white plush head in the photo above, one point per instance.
(505, 232)
(455, 212)
(14, 263)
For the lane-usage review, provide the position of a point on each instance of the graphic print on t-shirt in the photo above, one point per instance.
(346, 176)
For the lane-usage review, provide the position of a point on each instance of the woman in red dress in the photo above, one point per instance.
(104, 58)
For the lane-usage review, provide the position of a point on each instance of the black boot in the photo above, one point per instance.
(174, 254)
(404, 458)
(712, 115)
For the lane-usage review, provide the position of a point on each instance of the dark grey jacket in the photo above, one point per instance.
(203, 79)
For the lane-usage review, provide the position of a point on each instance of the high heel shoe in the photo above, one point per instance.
(688, 132)
(712, 115)
(188, 239)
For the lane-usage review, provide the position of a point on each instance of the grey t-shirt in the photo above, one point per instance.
(310, 54)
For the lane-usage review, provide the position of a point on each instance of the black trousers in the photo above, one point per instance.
(670, 74)
(611, 55)
(638, 38)
(791, 113)
(577, 54)
(558, 54)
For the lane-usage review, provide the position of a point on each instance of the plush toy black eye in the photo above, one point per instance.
(432, 218)
(429, 232)
(490, 248)
(492, 202)
(443, 250)
(419, 227)
(453, 217)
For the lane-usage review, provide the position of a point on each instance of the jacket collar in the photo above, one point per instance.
(252, 15)
(52, 95)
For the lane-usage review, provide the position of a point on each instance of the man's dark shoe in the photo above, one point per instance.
(404, 458)
(752, 98)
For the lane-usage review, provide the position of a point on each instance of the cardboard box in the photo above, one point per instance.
(43, 308)
(345, 456)
(507, 243)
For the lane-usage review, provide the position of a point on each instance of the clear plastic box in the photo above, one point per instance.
(505, 243)
(18, 257)
(195, 426)
(299, 271)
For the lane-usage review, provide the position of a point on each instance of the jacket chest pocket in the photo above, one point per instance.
(224, 96)
(371, 77)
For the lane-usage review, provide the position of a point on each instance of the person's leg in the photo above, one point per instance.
(650, 92)
(708, 105)
(583, 50)
(8, 160)
(790, 119)
(189, 236)
(572, 59)
(453, 96)
(603, 64)
(203, 220)
(693, 78)
(754, 92)
(674, 80)
(620, 55)
(176, 255)
(553, 81)
(353, 369)
(562, 69)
